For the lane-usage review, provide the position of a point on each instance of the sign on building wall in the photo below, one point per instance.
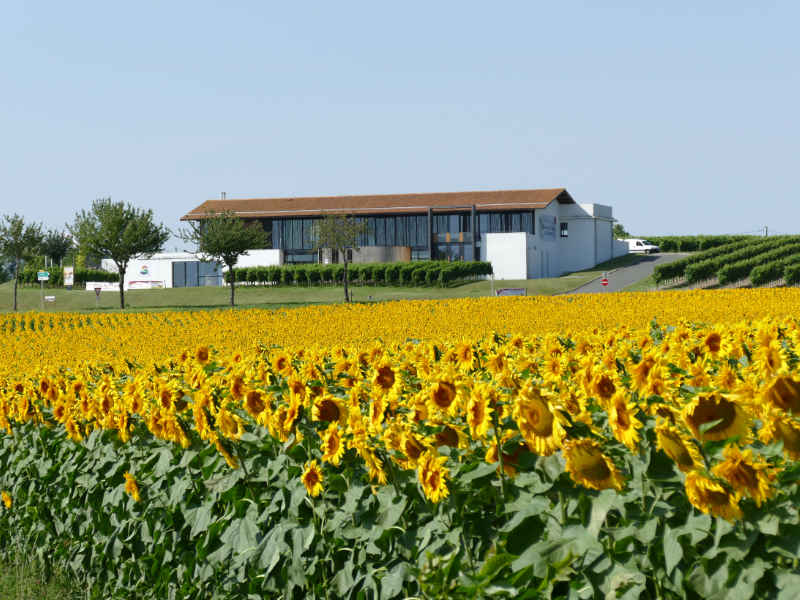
(547, 227)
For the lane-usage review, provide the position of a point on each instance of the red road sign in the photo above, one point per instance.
(604, 282)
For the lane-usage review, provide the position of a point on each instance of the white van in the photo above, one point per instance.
(641, 246)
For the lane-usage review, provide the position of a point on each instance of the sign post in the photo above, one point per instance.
(42, 276)
(69, 277)
(604, 280)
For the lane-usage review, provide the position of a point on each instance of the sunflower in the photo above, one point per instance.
(712, 497)
(442, 396)
(641, 370)
(479, 412)
(202, 355)
(312, 478)
(680, 448)
(282, 364)
(538, 424)
(783, 393)
(332, 446)
(237, 387)
(464, 356)
(384, 378)
(131, 487)
(330, 409)
(746, 473)
(713, 342)
(727, 419)
(781, 427)
(433, 476)
(254, 403)
(603, 387)
(496, 363)
(768, 359)
(590, 467)
(230, 425)
(623, 422)
(6, 497)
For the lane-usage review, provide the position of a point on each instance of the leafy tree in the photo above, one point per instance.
(120, 232)
(18, 242)
(340, 233)
(56, 244)
(619, 232)
(224, 237)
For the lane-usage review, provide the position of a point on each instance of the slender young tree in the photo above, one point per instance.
(340, 233)
(19, 241)
(224, 237)
(56, 244)
(120, 232)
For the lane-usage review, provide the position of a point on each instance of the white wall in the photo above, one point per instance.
(507, 252)
(260, 258)
(153, 271)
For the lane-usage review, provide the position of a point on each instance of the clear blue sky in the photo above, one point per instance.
(684, 118)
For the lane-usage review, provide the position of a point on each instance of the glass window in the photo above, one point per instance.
(564, 230)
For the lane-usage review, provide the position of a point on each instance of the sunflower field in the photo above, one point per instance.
(597, 446)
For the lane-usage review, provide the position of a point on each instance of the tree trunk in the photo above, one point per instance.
(16, 278)
(233, 280)
(346, 297)
(121, 270)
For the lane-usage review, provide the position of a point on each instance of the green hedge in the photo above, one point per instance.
(736, 271)
(677, 268)
(773, 270)
(28, 276)
(420, 273)
(708, 268)
(694, 243)
(791, 274)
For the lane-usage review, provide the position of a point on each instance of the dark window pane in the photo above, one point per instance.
(178, 274)
(192, 274)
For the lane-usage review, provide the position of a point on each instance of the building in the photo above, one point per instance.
(525, 234)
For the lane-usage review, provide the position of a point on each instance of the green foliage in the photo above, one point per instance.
(203, 530)
(739, 270)
(429, 273)
(120, 232)
(224, 237)
(694, 243)
(791, 274)
(56, 245)
(709, 263)
(19, 241)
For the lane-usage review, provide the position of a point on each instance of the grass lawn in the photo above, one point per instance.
(282, 296)
(648, 284)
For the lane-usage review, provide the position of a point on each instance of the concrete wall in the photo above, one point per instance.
(590, 240)
(620, 248)
(546, 256)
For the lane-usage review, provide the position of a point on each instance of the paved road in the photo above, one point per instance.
(625, 276)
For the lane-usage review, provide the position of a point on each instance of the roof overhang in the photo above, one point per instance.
(506, 200)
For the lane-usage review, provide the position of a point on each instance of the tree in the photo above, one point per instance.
(120, 232)
(56, 244)
(619, 232)
(224, 237)
(19, 242)
(339, 233)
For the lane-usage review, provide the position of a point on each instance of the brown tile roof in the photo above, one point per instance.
(386, 204)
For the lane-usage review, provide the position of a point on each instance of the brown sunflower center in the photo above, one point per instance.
(594, 468)
(328, 411)
(444, 394)
(713, 408)
(385, 377)
(539, 417)
(785, 394)
(605, 387)
(790, 437)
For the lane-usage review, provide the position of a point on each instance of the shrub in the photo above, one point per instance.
(392, 274)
